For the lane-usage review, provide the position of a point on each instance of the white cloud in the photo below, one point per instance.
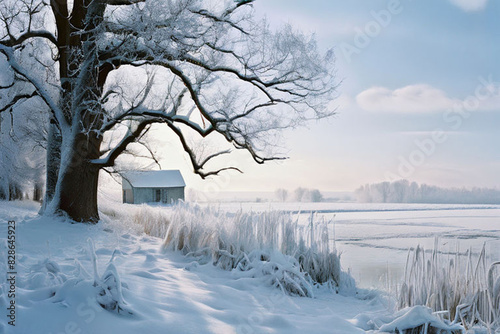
(422, 98)
(414, 98)
(470, 5)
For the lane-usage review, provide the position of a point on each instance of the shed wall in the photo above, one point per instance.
(127, 192)
(128, 196)
(147, 195)
(143, 195)
(174, 194)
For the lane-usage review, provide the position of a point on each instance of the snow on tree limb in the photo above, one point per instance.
(15, 41)
(16, 99)
(123, 2)
(37, 84)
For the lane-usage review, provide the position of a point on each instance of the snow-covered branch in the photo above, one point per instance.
(37, 84)
(16, 99)
(198, 166)
(16, 41)
(130, 137)
(123, 2)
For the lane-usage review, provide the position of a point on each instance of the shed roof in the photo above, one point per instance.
(154, 179)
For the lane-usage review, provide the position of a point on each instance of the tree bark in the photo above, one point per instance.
(37, 192)
(77, 193)
(76, 178)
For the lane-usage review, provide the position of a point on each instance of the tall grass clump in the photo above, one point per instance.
(463, 288)
(271, 245)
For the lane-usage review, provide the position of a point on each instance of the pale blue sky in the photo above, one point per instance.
(396, 90)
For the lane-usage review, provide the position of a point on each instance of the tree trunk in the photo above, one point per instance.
(54, 142)
(37, 192)
(15, 192)
(77, 180)
(78, 184)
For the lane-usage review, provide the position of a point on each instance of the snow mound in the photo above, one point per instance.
(278, 270)
(411, 320)
(419, 318)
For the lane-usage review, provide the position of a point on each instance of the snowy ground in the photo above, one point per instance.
(165, 292)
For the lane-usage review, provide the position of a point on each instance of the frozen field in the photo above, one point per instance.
(374, 238)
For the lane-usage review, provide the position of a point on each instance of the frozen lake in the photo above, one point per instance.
(374, 238)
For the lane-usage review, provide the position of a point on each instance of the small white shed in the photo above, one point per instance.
(163, 186)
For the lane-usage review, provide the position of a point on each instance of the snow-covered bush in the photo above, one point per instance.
(465, 292)
(295, 257)
(109, 286)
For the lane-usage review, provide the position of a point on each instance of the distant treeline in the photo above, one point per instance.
(299, 195)
(403, 191)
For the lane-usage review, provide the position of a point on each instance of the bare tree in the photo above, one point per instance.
(201, 68)
(299, 194)
(316, 196)
(281, 194)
